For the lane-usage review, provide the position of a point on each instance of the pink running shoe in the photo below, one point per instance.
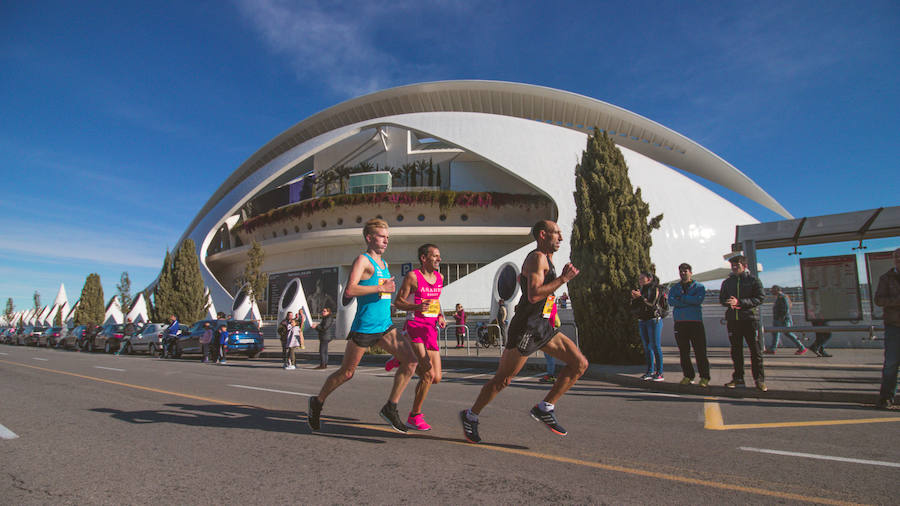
(417, 422)
(392, 363)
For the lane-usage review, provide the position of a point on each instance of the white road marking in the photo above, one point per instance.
(822, 457)
(2, 353)
(109, 368)
(474, 376)
(39, 358)
(7, 434)
(526, 378)
(274, 391)
(656, 394)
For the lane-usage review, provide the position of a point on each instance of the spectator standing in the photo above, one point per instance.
(325, 328)
(781, 317)
(502, 318)
(294, 337)
(171, 337)
(686, 299)
(127, 332)
(742, 294)
(282, 335)
(564, 300)
(645, 304)
(460, 317)
(887, 295)
(205, 341)
(221, 340)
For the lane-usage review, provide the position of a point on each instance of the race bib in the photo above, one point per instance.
(548, 307)
(433, 308)
(384, 295)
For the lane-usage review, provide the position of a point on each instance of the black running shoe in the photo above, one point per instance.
(549, 419)
(312, 414)
(390, 415)
(470, 428)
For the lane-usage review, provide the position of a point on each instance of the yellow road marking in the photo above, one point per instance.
(714, 421)
(513, 451)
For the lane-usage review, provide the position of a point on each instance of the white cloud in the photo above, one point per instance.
(337, 45)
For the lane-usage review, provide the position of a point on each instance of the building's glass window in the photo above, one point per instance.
(452, 272)
(370, 182)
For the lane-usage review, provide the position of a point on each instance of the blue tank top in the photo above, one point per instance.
(373, 313)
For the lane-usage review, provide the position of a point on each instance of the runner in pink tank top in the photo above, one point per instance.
(424, 286)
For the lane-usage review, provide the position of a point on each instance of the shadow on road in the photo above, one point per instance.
(251, 417)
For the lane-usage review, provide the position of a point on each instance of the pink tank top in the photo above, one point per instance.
(428, 291)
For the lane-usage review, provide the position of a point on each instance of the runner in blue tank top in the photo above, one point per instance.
(371, 283)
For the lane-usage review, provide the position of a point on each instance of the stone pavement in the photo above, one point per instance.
(852, 375)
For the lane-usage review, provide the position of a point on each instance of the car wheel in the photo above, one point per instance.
(107, 348)
(151, 350)
(253, 355)
(128, 349)
(177, 352)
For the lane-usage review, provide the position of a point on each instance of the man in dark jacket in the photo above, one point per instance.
(325, 329)
(742, 294)
(887, 295)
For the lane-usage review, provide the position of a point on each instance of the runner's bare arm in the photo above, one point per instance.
(535, 269)
(363, 268)
(409, 286)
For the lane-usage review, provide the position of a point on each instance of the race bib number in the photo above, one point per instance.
(384, 295)
(548, 307)
(433, 308)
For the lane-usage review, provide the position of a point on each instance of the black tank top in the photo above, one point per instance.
(524, 307)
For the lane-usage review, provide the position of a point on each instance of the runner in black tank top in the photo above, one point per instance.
(530, 330)
(531, 326)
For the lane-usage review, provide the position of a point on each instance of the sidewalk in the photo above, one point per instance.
(852, 375)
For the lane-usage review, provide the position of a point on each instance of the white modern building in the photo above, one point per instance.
(467, 165)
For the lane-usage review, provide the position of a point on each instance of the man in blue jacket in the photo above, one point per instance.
(742, 294)
(686, 299)
(169, 347)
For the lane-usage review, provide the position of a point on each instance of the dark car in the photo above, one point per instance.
(51, 336)
(244, 337)
(109, 338)
(73, 338)
(33, 338)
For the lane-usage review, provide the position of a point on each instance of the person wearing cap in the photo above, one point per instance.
(781, 317)
(742, 294)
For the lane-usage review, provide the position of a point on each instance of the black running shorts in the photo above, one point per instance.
(364, 340)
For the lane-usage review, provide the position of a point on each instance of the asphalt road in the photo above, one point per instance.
(79, 428)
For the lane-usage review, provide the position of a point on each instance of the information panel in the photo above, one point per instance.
(877, 264)
(319, 285)
(831, 288)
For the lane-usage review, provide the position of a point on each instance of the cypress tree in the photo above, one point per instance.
(10, 309)
(37, 300)
(124, 288)
(90, 307)
(252, 275)
(611, 245)
(190, 299)
(164, 292)
(57, 320)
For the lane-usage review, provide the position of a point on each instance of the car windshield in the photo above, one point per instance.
(56, 329)
(119, 327)
(39, 329)
(242, 326)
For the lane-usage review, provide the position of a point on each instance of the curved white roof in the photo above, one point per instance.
(539, 103)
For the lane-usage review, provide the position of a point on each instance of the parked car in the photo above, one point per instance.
(244, 337)
(149, 338)
(33, 338)
(72, 339)
(108, 338)
(50, 336)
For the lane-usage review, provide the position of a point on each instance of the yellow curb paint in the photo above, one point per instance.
(714, 421)
(513, 451)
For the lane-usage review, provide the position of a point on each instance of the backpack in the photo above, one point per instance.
(662, 302)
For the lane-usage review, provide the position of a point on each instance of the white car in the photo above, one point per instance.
(149, 339)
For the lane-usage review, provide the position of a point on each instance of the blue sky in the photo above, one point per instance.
(119, 119)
